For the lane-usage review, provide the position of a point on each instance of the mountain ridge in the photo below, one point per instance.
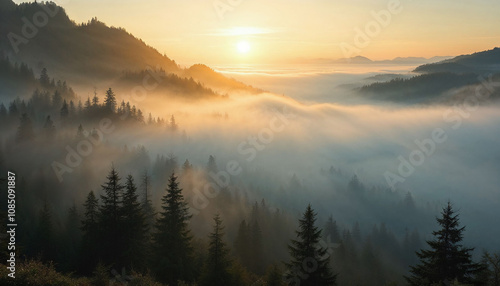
(90, 53)
(478, 62)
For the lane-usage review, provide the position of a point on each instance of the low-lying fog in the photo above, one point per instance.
(438, 153)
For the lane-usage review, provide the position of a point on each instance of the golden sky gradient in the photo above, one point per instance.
(214, 31)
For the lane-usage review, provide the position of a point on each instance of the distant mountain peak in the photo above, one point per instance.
(361, 58)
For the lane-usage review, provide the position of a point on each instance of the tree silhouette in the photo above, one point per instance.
(110, 101)
(309, 265)
(44, 78)
(44, 238)
(172, 125)
(80, 133)
(25, 130)
(134, 227)
(71, 240)
(172, 241)
(447, 260)
(49, 130)
(64, 112)
(147, 205)
(89, 226)
(216, 269)
(242, 245)
(491, 273)
(111, 219)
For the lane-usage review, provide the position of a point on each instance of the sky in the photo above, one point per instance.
(278, 31)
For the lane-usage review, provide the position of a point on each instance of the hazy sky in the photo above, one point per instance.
(258, 31)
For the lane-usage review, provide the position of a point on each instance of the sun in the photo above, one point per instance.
(243, 47)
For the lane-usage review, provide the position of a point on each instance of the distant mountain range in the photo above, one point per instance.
(444, 81)
(90, 53)
(367, 61)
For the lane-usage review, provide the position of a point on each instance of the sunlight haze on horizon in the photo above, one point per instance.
(213, 32)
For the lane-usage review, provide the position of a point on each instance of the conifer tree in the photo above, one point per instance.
(89, 226)
(25, 130)
(64, 112)
(242, 244)
(71, 240)
(80, 133)
(186, 167)
(172, 124)
(490, 275)
(111, 219)
(110, 101)
(44, 78)
(447, 260)
(216, 269)
(147, 204)
(172, 241)
(134, 227)
(256, 250)
(309, 265)
(49, 129)
(331, 231)
(44, 239)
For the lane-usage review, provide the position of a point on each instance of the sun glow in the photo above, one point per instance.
(243, 47)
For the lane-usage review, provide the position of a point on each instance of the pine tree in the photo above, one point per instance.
(172, 124)
(44, 239)
(147, 204)
(25, 130)
(331, 231)
(64, 112)
(110, 101)
(3, 111)
(44, 78)
(72, 108)
(172, 241)
(257, 253)
(89, 227)
(57, 99)
(491, 272)
(80, 133)
(447, 260)
(212, 166)
(95, 101)
(140, 116)
(71, 241)
(88, 104)
(49, 130)
(242, 244)
(134, 226)
(111, 219)
(309, 265)
(216, 269)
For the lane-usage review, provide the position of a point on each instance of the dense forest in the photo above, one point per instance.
(125, 168)
(141, 222)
